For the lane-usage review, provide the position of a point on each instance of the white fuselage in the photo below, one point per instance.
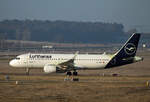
(66, 62)
(88, 61)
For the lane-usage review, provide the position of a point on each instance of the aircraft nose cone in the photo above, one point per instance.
(11, 63)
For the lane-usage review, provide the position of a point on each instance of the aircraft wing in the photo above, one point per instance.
(68, 64)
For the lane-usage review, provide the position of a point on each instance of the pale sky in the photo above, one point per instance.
(130, 13)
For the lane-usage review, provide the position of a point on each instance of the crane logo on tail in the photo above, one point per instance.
(130, 49)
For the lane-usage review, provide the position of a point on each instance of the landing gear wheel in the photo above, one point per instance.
(75, 73)
(27, 71)
(69, 74)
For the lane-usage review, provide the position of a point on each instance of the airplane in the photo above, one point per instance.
(61, 63)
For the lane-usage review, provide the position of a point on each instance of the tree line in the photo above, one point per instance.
(61, 31)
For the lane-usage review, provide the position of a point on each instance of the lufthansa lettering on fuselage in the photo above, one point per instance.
(40, 56)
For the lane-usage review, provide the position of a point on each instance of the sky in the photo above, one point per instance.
(130, 13)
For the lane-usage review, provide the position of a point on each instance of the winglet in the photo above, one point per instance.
(75, 55)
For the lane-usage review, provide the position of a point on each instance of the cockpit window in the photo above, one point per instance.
(17, 58)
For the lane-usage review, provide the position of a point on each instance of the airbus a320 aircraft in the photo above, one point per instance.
(72, 62)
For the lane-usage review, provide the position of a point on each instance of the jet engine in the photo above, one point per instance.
(48, 68)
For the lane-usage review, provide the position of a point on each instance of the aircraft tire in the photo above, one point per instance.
(75, 73)
(69, 73)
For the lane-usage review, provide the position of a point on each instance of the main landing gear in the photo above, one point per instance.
(70, 73)
(71, 76)
(75, 73)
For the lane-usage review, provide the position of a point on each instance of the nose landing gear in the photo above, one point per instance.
(27, 71)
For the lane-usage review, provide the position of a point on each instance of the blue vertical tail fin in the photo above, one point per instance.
(127, 52)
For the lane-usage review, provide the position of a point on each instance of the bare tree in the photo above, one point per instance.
(26, 34)
(2, 41)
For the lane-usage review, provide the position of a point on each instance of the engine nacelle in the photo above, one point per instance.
(48, 68)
